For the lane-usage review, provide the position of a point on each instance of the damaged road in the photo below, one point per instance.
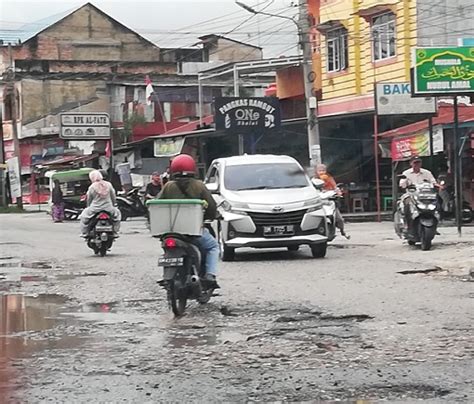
(75, 327)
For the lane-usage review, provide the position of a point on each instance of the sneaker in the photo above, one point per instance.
(211, 280)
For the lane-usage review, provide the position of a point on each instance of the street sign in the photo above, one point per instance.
(244, 115)
(396, 99)
(84, 126)
(443, 71)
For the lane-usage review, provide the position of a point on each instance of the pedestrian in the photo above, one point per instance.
(58, 203)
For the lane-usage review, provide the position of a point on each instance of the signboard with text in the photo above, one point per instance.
(84, 126)
(396, 99)
(168, 147)
(443, 71)
(13, 168)
(244, 115)
(406, 147)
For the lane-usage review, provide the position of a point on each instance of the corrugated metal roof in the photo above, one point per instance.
(28, 31)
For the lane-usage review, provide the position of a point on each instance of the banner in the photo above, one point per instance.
(396, 99)
(244, 115)
(14, 177)
(406, 147)
(168, 147)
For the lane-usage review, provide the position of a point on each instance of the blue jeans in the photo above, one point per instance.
(208, 245)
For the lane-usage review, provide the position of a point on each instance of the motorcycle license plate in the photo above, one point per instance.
(103, 228)
(287, 230)
(171, 262)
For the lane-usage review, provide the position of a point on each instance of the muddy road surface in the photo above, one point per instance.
(375, 320)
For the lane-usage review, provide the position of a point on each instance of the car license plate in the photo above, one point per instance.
(287, 230)
(103, 228)
(171, 262)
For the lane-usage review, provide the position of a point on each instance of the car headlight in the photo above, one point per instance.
(421, 205)
(431, 206)
(234, 207)
(313, 204)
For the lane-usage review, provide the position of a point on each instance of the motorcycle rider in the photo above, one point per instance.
(415, 175)
(183, 185)
(154, 187)
(330, 185)
(100, 197)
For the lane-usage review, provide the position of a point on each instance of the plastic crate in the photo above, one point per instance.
(182, 216)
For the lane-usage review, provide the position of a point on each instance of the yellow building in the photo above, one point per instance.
(362, 42)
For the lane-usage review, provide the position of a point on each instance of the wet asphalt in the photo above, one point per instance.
(376, 320)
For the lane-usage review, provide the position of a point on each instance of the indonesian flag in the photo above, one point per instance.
(148, 91)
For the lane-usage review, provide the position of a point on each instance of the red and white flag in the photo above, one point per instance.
(148, 91)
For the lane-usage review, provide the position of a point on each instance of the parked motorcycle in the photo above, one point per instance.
(421, 208)
(100, 233)
(448, 211)
(131, 204)
(74, 208)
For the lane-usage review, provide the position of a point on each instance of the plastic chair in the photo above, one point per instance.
(387, 202)
(357, 205)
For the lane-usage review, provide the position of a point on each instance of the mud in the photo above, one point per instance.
(284, 327)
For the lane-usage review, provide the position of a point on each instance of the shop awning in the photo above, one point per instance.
(445, 117)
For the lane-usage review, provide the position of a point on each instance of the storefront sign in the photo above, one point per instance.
(14, 177)
(396, 99)
(243, 115)
(84, 126)
(441, 71)
(415, 145)
(168, 147)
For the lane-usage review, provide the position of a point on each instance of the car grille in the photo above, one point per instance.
(277, 219)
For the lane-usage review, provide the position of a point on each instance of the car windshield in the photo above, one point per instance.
(264, 176)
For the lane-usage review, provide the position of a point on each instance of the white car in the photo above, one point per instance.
(266, 201)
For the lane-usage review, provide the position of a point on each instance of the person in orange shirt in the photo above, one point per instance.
(330, 185)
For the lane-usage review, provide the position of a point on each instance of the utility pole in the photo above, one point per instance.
(302, 26)
(314, 143)
(16, 142)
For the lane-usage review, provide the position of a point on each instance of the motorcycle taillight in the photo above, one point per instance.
(170, 243)
(103, 216)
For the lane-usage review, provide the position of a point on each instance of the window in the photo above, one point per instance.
(336, 40)
(264, 176)
(383, 36)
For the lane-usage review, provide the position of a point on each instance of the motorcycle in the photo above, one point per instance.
(448, 211)
(183, 272)
(131, 204)
(423, 216)
(73, 208)
(100, 233)
(329, 199)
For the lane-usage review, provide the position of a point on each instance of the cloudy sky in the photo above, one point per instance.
(176, 23)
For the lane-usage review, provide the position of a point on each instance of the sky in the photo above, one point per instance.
(177, 23)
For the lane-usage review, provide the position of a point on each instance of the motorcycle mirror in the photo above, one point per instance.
(317, 183)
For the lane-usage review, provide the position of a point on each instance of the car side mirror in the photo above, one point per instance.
(317, 183)
(213, 187)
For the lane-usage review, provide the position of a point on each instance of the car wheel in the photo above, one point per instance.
(293, 247)
(319, 250)
(226, 253)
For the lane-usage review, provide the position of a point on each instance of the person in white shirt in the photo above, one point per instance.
(416, 175)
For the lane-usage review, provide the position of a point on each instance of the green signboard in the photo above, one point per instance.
(441, 71)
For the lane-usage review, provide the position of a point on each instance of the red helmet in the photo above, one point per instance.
(183, 164)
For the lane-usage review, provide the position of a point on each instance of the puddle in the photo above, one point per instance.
(19, 313)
